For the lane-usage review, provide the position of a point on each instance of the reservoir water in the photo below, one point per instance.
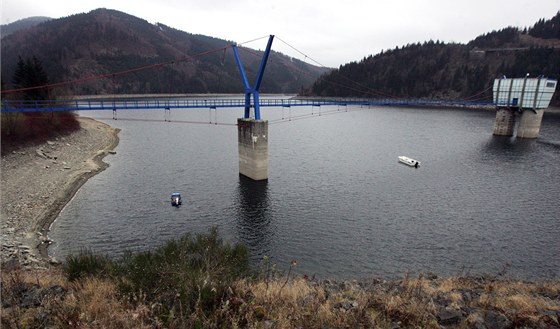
(337, 200)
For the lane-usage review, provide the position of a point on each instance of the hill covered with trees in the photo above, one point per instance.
(437, 70)
(103, 42)
(22, 24)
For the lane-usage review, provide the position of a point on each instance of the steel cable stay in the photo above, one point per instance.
(169, 122)
(253, 40)
(297, 50)
(112, 75)
(185, 58)
(226, 124)
(475, 96)
(302, 72)
(360, 87)
(166, 119)
(347, 87)
(368, 89)
(323, 113)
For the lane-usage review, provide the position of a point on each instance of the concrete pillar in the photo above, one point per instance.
(505, 122)
(530, 123)
(253, 148)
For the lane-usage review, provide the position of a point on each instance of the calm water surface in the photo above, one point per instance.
(337, 200)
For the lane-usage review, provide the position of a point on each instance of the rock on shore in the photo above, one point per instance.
(38, 181)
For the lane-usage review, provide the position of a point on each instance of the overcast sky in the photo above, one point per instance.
(329, 32)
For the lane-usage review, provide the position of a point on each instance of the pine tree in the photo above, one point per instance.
(30, 73)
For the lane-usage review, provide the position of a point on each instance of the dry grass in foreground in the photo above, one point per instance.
(46, 299)
(455, 302)
(201, 283)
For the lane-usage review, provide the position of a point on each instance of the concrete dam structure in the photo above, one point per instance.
(522, 101)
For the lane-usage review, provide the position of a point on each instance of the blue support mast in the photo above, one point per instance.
(255, 89)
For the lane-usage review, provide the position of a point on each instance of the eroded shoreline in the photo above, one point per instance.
(38, 181)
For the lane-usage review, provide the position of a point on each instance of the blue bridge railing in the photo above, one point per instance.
(155, 103)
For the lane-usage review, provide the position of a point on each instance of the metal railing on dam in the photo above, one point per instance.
(183, 103)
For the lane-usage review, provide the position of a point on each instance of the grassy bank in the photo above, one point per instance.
(200, 282)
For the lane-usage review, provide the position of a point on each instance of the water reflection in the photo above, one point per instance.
(551, 143)
(506, 147)
(253, 216)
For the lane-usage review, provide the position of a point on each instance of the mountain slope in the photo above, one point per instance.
(107, 41)
(22, 24)
(450, 71)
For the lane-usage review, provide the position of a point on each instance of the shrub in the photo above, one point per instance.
(185, 276)
(85, 264)
(185, 281)
(35, 127)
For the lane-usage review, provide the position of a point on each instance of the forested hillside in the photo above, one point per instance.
(450, 71)
(22, 24)
(104, 42)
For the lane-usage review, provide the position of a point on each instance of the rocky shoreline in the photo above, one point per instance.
(39, 180)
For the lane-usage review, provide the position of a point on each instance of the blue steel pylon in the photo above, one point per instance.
(255, 89)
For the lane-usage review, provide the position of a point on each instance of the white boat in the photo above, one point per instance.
(409, 161)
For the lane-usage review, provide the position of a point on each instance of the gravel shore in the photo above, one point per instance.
(39, 180)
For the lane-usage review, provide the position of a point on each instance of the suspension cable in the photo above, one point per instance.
(124, 72)
(368, 89)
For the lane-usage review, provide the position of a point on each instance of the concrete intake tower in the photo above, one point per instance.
(522, 101)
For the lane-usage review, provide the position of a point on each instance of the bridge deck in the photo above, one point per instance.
(155, 103)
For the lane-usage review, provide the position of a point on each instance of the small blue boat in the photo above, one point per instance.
(176, 199)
